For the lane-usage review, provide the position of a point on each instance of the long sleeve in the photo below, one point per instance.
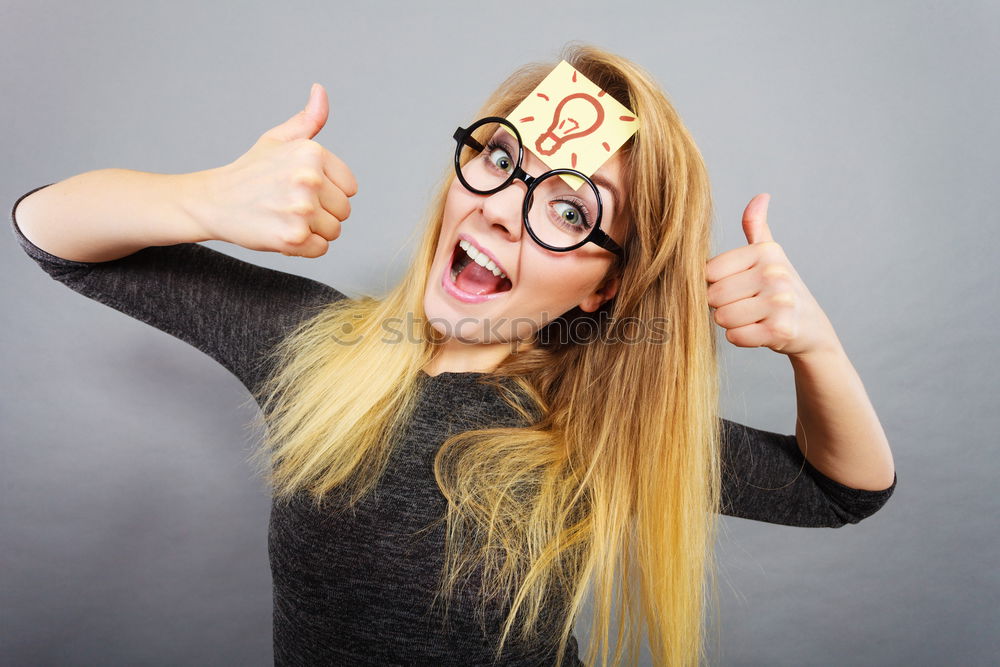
(794, 493)
(229, 309)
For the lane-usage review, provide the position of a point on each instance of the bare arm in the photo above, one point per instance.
(107, 214)
(762, 301)
(286, 194)
(843, 435)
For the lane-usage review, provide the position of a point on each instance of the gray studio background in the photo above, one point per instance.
(133, 531)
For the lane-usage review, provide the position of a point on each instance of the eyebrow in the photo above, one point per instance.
(608, 185)
(600, 181)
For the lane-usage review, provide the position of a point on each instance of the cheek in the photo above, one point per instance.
(561, 285)
(457, 204)
(451, 217)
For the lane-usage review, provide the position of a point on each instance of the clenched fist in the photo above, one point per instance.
(287, 194)
(759, 297)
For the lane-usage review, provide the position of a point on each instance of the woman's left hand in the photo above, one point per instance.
(758, 297)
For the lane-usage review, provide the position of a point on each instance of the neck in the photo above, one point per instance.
(454, 356)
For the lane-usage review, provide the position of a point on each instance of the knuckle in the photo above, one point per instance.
(774, 272)
(308, 153)
(308, 177)
(302, 208)
(296, 234)
(783, 299)
(309, 147)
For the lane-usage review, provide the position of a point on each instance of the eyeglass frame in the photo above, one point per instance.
(463, 137)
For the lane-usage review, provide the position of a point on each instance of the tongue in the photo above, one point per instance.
(476, 279)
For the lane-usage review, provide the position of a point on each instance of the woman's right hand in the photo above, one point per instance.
(286, 194)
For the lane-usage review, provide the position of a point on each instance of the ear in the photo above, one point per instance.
(604, 292)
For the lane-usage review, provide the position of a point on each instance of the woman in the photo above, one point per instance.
(453, 475)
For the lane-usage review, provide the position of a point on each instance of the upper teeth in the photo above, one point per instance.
(480, 258)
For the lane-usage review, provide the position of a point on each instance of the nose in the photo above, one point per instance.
(505, 209)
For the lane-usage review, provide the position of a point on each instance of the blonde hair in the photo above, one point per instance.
(590, 496)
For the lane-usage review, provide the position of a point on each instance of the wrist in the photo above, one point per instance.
(822, 354)
(196, 202)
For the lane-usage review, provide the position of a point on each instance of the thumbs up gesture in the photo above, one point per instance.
(286, 194)
(758, 297)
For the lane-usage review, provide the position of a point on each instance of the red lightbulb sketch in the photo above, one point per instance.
(576, 116)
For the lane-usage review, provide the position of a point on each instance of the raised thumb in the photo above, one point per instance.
(307, 123)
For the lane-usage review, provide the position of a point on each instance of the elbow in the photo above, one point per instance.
(860, 505)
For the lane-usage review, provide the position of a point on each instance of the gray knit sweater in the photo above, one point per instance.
(355, 588)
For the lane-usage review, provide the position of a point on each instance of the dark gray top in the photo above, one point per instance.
(354, 589)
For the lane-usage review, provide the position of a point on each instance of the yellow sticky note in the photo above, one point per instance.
(570, 123)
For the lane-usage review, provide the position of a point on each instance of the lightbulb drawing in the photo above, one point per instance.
(593, 122)
(576, 116)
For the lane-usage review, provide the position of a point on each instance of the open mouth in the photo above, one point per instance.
(474, 273)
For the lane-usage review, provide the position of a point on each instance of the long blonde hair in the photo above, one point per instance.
(613, 482)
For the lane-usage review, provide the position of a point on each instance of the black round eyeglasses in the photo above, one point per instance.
(488, 158)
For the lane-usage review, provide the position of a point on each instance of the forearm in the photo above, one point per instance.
(842, 437)
(106, 214)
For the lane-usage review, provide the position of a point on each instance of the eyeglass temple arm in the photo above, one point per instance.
(602, 239)
(462, 135)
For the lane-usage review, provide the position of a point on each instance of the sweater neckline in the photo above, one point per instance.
(454, 374)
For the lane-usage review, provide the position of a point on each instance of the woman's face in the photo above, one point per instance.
(543, 284)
